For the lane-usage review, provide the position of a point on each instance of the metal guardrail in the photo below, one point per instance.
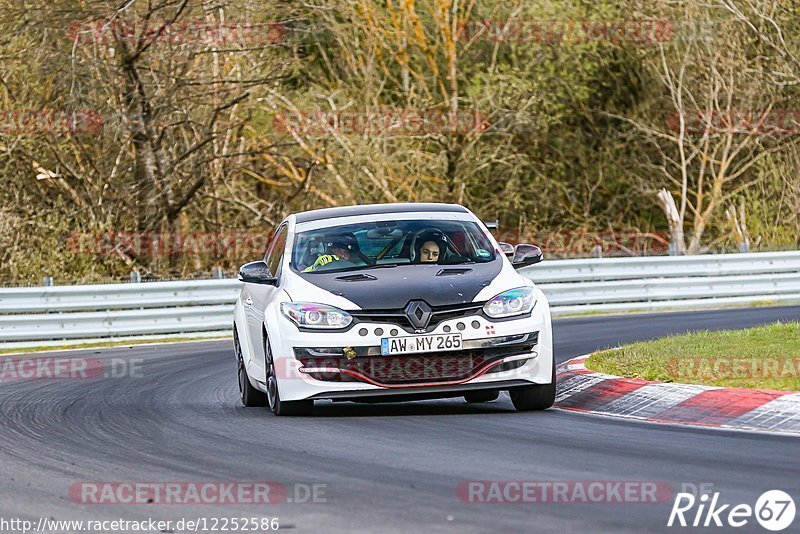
(668, 282)
(50, 299)
(33, 314)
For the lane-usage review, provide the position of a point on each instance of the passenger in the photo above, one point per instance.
(339, 249)
(430, 246)
(429, 253)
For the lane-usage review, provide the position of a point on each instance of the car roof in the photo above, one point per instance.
(377, 209)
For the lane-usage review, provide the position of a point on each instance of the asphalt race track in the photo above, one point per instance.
(387, 468)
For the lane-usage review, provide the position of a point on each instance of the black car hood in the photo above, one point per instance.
(388, 288)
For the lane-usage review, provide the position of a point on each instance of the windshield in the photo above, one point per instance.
(380, 244)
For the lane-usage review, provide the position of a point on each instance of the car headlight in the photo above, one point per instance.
(310, 315)
(512, 302)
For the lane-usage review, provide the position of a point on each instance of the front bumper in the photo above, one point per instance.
(344, 365)
(365, 364)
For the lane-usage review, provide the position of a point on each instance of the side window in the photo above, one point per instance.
(275, 251)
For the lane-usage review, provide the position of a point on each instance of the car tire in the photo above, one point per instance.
(534, 397)
(276, 405)
(474, 397)
(249, 395)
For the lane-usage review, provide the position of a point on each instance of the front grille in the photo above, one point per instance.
(407, 369)
(411, 369)
(398, 317)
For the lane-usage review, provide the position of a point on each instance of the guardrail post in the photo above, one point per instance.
(136, 277)
(216, 273)
(47, 281)
(597, 251)
(673, 249)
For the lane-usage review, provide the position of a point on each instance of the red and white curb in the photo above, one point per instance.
(580, 389)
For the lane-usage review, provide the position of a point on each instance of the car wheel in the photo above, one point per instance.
(249, 395)
(481, 396)
(276, 405)
(535, 397)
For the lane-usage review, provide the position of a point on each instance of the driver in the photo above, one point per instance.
(430, 246)
(339, 249)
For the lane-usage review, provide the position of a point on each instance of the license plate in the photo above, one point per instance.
(412, 344)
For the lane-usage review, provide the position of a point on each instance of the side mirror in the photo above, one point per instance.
(525, 254)
(257, 272)
(507, 249)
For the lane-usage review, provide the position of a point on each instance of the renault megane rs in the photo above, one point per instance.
(391, 302)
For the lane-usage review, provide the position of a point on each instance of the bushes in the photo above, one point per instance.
(192, 139)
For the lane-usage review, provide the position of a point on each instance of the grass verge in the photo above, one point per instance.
(765, 357)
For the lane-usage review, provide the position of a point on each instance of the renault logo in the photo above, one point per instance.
(418, 313)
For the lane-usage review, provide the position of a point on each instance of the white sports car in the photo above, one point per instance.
(391, 302)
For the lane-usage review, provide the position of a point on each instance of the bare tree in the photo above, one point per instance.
(725, 119)
(174, 82)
